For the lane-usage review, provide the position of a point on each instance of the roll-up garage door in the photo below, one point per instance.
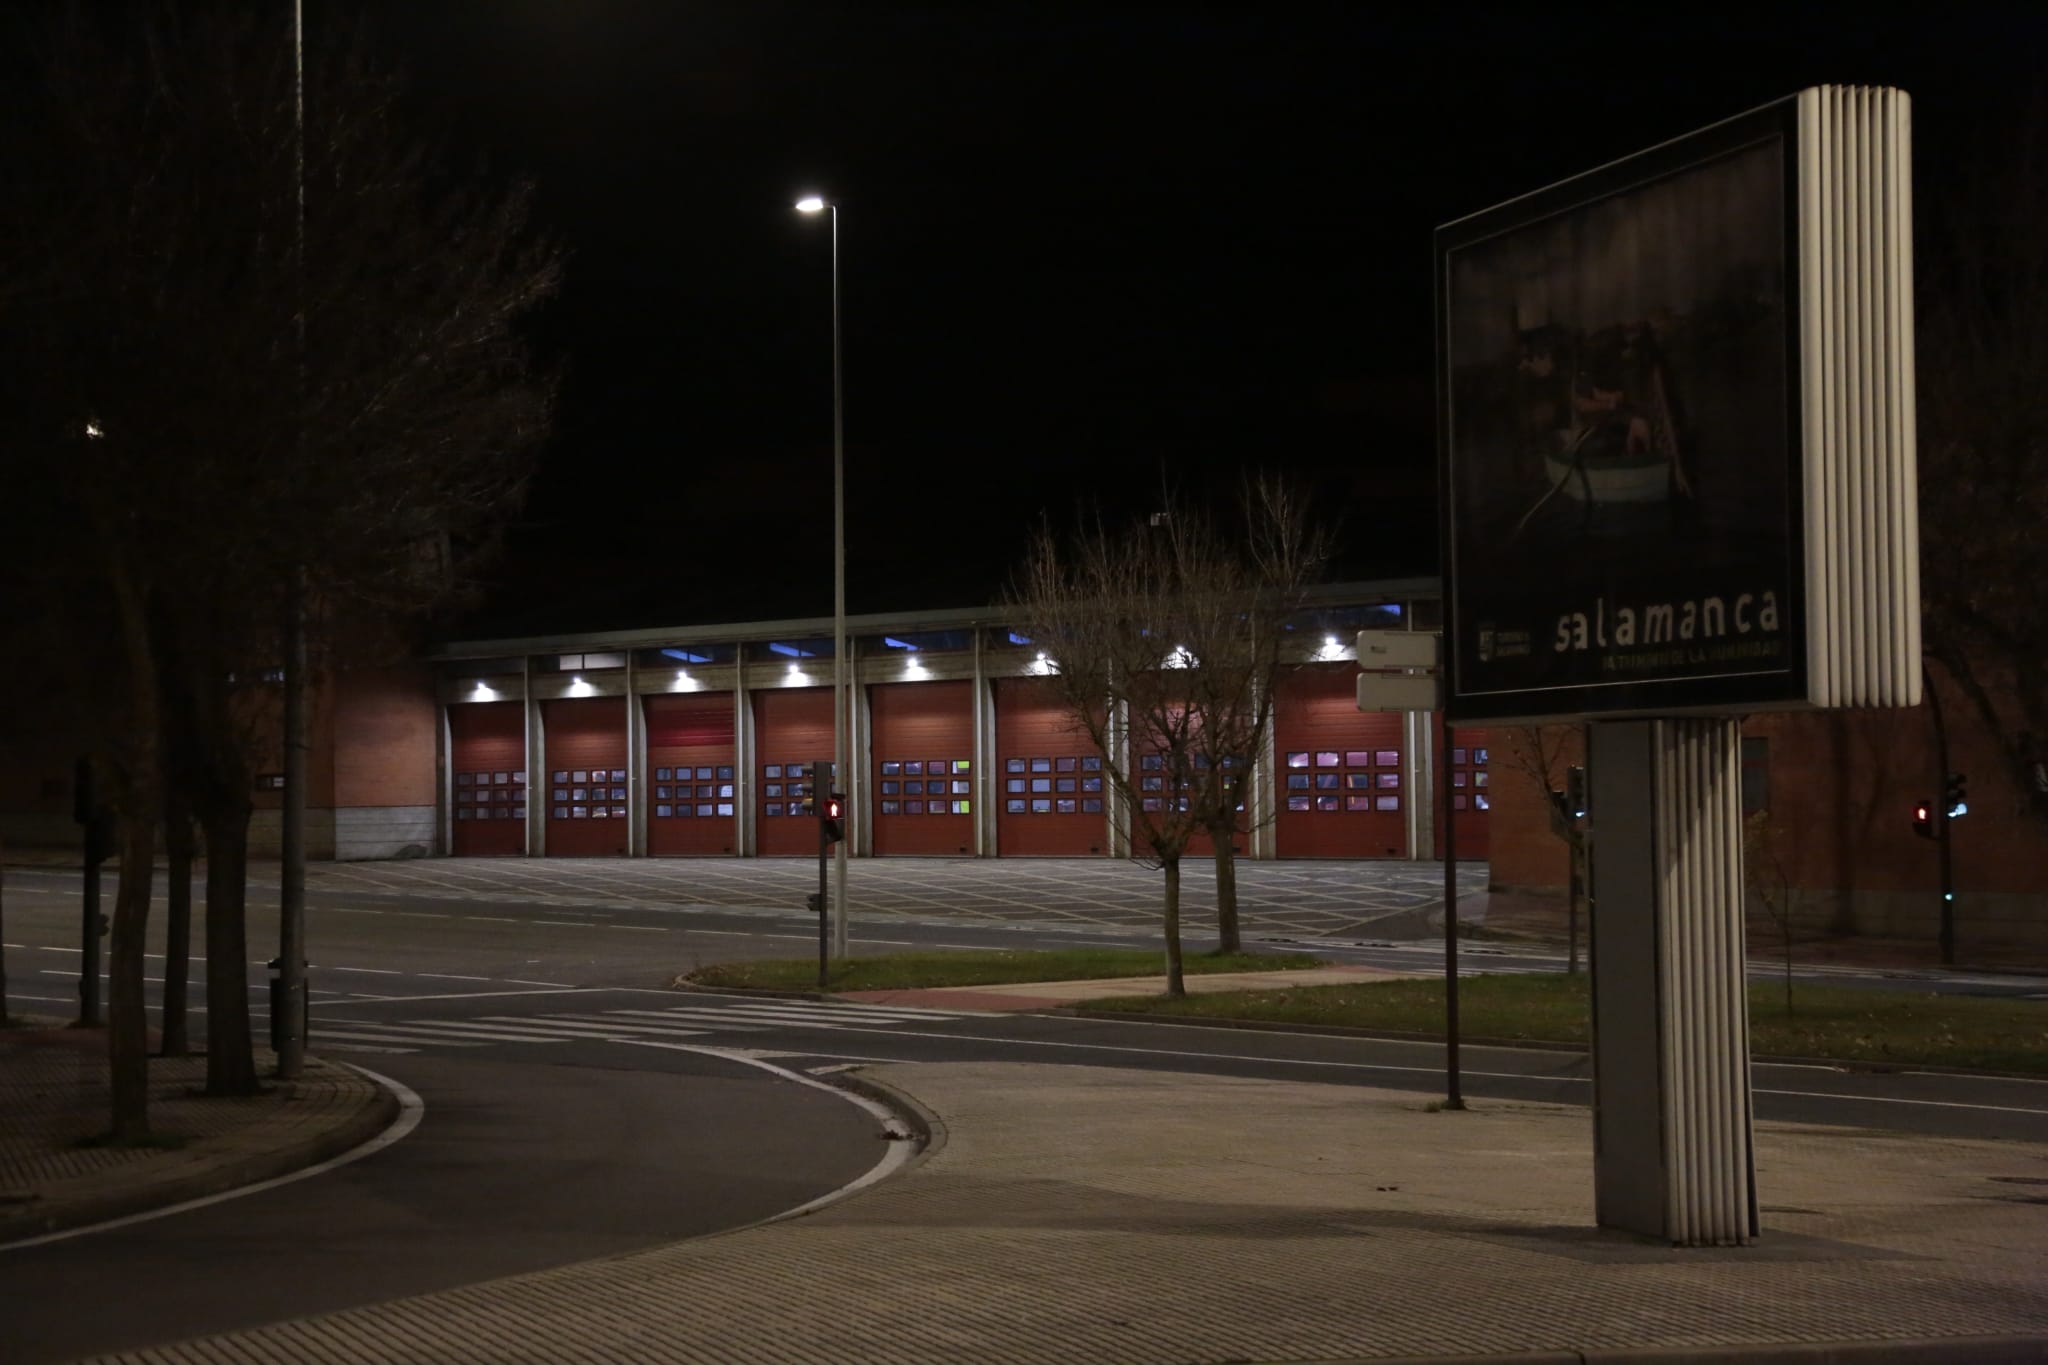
(585, 745)
(923, 756)
(689, 744)
(1153, 780)
(792, 730)
(487, 748)
(1471, 791)
(1052, 788)
(1340, 781)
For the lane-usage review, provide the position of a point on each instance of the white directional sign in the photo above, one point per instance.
(1400, 671)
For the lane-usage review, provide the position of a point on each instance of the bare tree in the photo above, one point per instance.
(1165, 643)
(1771, 883)
(1541, 753)
(1983, 347)
(165, 402)
(1252, 585)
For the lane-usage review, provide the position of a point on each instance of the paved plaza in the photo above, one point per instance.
(1336, 900)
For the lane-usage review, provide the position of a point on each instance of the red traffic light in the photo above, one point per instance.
(1923, 819)
(834, 807)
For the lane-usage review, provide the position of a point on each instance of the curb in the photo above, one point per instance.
(1853, 1067)
(216, 1177)
(1998, 1350)
(1864, 1068)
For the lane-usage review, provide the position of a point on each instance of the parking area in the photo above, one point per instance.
(1344, 900)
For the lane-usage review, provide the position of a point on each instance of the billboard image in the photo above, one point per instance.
(1620, 430)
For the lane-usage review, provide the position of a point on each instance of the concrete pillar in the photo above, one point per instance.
(1673, 1155)
(536, 765)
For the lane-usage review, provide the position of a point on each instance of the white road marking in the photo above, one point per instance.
(324, 1045)
(370, 971)
(600, 1028)
(449, 976)
(376, 1034)
(456, 1028)
(493, 919)
(515, 981)
(489, 995)
(898, 1151)
(338, 910)
(644, 928)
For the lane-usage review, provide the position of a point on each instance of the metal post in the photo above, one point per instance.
(1454, 1091)
(839, 678)
(1941, 821)
(89, 965)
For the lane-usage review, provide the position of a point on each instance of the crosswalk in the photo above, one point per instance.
(675, 1021)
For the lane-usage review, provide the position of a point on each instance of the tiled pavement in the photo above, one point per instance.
(53, 1095)
(1305, 899)
(1087, 1215)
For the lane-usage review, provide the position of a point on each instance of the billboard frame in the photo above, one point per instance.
(1778, 688)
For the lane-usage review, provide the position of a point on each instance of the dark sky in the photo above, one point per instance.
(1083, 248)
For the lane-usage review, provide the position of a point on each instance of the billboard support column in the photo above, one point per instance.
(1672, 1120)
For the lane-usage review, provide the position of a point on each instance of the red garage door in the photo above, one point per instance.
(1153, 779)
(586, 758)
(1340, 780)
(488, 751)
(923, 746)
(792, 729)
(1053, 791)
(689, 761)
(1471, 793)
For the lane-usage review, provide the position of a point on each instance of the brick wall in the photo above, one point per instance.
(1841, 791)
(381, 732)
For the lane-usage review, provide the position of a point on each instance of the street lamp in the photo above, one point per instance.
(815, 203)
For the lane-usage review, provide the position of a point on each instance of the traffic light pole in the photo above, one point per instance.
(824, 858)
(1942, 823)
(1454, 1097)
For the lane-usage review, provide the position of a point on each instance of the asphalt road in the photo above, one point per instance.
(524, 1158)
(572, 1109)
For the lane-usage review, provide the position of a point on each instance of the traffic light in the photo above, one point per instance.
(832, 815)
(1923, 819)
(1575, 792)
(1956, 798)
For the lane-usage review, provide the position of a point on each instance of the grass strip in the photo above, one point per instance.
(1837, 1023)
(989, 967)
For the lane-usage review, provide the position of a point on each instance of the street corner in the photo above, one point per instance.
(56, 1179)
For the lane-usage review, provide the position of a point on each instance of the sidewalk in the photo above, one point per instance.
(1074, 1214)
(54, 1095)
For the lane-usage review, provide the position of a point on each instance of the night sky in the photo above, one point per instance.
(1084, 249)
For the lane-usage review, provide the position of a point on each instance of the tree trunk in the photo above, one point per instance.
(1176, 984)
(1228, 939)
(230, 1057)
(177, 924)
(127, 1013)
(3, 944)
(140, 796)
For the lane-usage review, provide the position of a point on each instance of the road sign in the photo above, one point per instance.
(1400, 670)
(1399, 649)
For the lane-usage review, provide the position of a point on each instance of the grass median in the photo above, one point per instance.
(989, 967)
(1839, 1023)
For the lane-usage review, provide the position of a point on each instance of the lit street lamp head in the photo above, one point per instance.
(810, 203)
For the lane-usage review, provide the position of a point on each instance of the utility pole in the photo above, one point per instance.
(291, 892)
(1454, 1097)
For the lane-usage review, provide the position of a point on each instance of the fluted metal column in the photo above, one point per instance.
(1673, 1149)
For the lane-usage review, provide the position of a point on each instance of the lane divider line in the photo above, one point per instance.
(902, 1146)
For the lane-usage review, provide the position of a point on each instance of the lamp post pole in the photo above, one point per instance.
(841, 674)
